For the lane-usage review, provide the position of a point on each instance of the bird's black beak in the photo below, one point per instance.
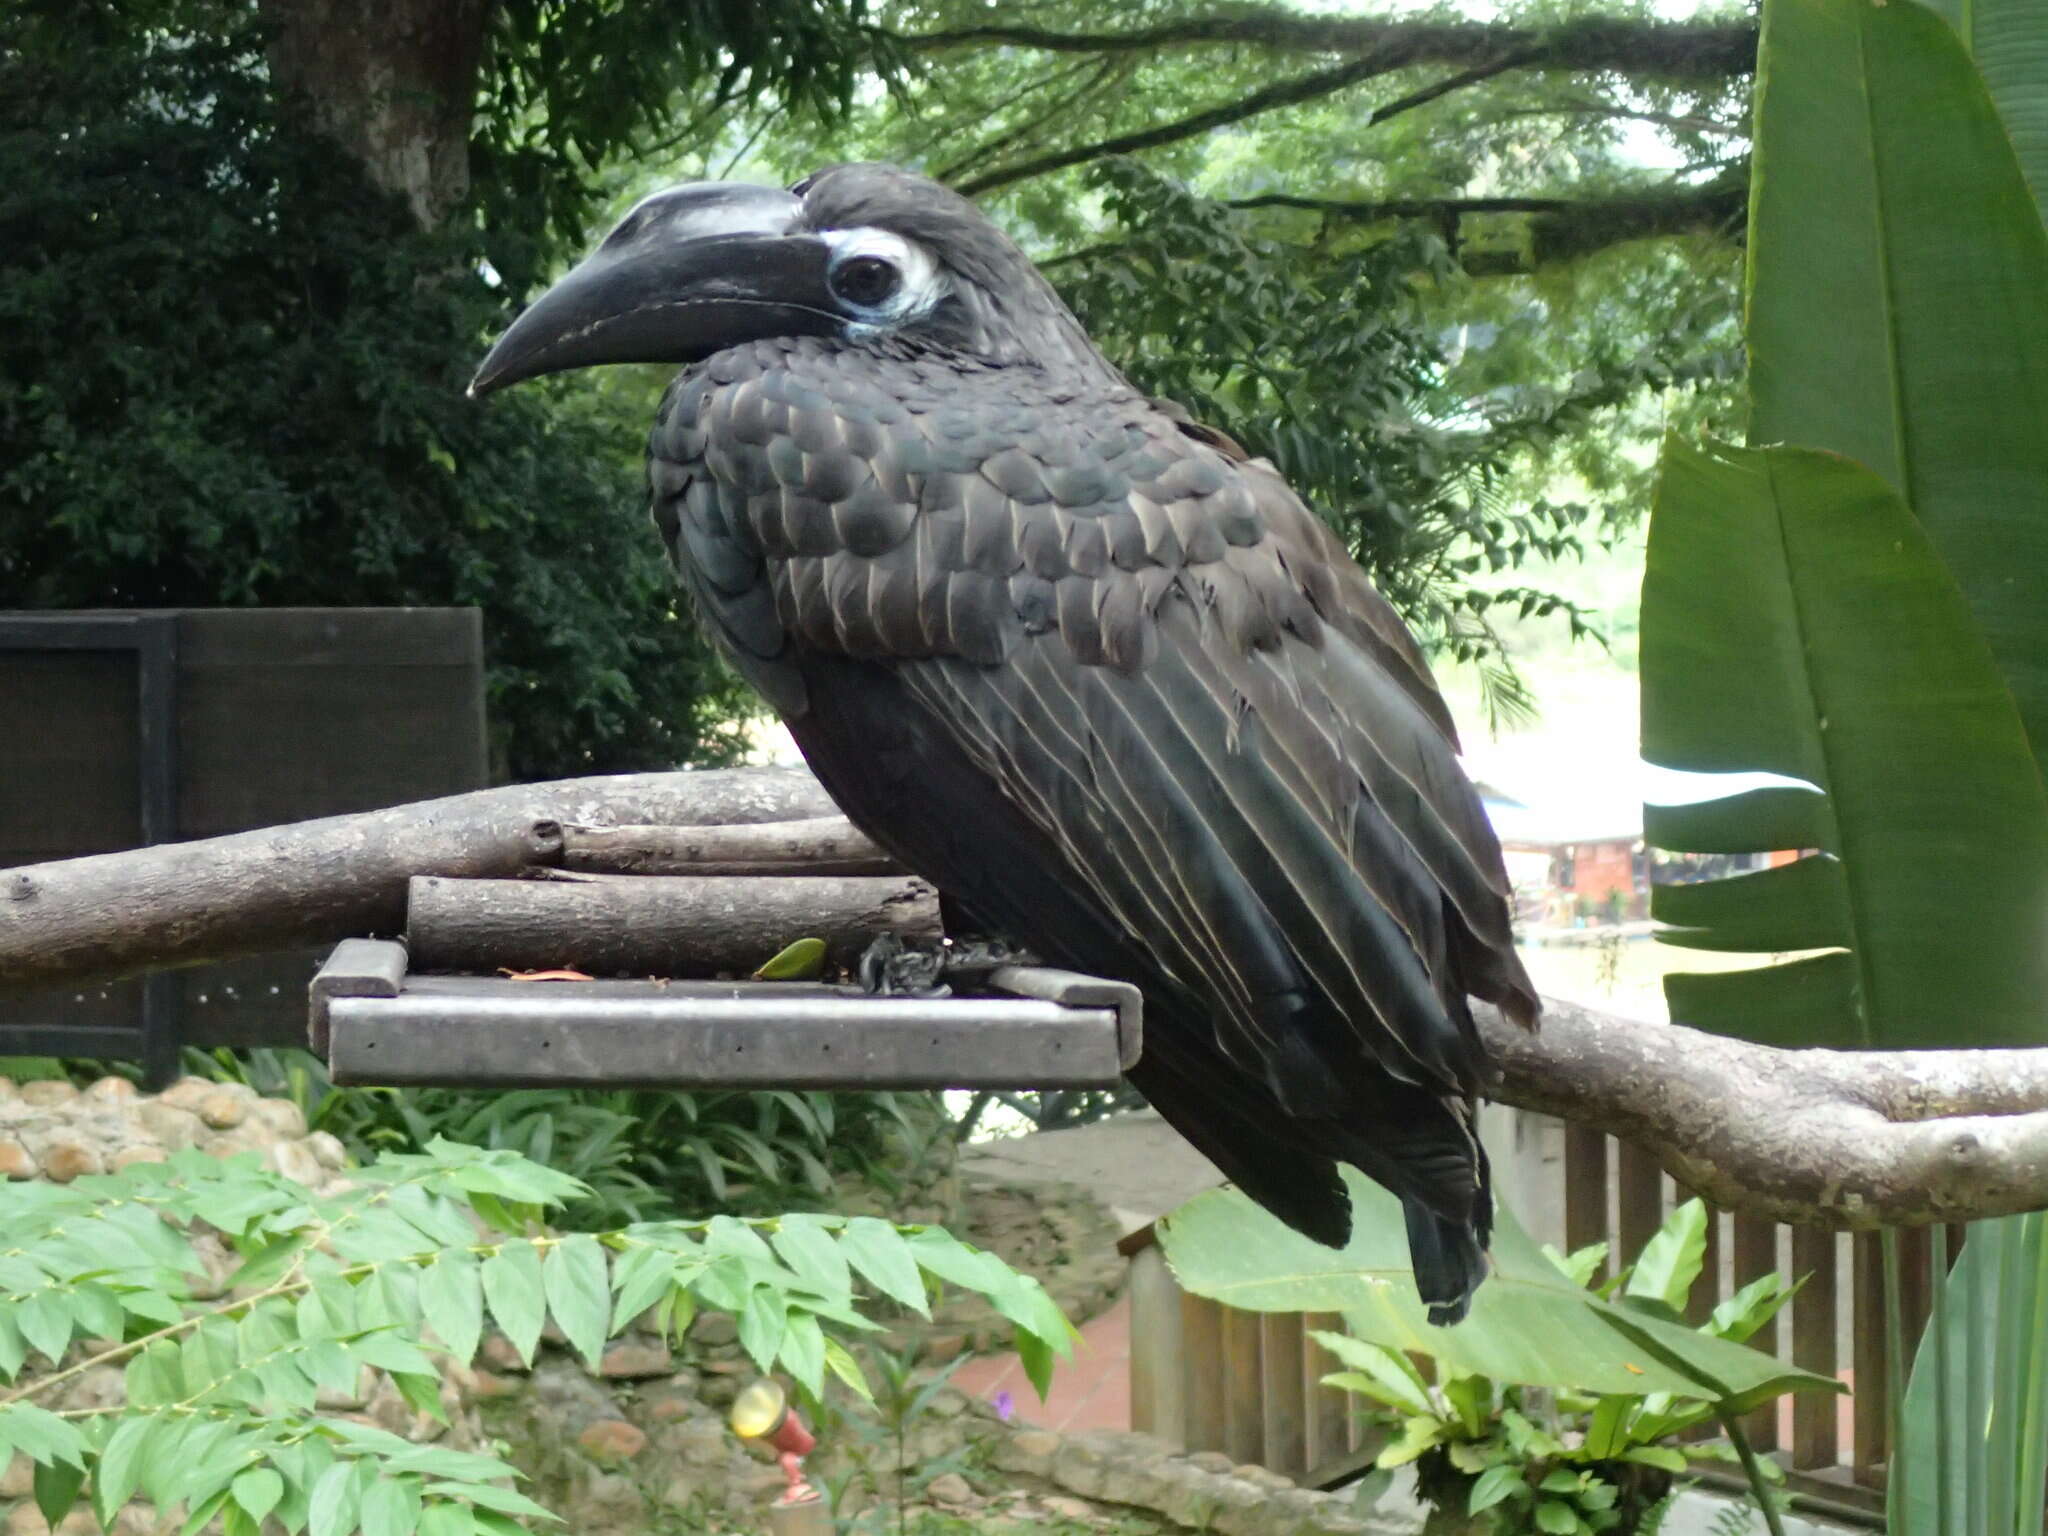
(688, 272)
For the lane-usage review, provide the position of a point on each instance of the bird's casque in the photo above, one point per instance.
(1101, 678)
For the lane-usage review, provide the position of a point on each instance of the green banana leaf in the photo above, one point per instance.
(1972, 1457)
(1796, 620)
(1529, 1323)
(1898, 292)
(2005, 38)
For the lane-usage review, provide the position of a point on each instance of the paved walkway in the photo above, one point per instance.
(1090, 1391)
(1139, 1168)
(1137, 1165)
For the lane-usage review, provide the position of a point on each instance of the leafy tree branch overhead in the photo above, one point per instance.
(483, 138)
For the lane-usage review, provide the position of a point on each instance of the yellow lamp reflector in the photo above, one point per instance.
(758, 1410)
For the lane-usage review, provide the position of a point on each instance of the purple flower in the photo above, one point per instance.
(1004, 1405)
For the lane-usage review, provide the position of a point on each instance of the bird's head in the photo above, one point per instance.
(854, 253)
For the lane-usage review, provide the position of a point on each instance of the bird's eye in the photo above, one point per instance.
(865, 281)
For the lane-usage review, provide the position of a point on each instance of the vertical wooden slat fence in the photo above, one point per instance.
(1585, 1193)
(1329, 1432)
(1872, 1433)
(1816, 1331)
(1756, 1255)
(1208, 1378)
(1284, 1382)
(1244, 1379)
(1199, 1380)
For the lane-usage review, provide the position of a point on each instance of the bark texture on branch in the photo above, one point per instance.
(1292, 92)
(318, 882)
(820, 845)
(1558, 229)
(1849, 1139)
(391, 81)
(1664, 50)
(692, 926)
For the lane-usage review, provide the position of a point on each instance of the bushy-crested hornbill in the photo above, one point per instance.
(1102, 679)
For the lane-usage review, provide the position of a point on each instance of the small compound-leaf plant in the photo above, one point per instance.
(413, 1258)
(1566, 1464)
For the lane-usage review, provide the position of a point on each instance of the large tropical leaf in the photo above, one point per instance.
(1529, 1323)
(1797, 620)
(1972, 1456)
(1898, 292)
(2008, 39)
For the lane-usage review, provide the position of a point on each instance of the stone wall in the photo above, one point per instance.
(56, 1131)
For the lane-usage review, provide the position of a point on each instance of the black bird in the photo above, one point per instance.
(1101, 678)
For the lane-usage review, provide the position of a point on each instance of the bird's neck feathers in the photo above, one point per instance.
(1023, 322)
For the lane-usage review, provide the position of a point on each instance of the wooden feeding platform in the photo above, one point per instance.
(652, 892)
(587, 976)
(380, 1023)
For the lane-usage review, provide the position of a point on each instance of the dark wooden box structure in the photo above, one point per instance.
(119, 729)
(379, 1023)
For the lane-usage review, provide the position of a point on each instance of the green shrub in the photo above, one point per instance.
(1573, 1464)
(232, 373)
(639, 1155)
(220, 1415)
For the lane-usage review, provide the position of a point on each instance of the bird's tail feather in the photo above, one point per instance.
(1289, 1166)
(1449, 1262)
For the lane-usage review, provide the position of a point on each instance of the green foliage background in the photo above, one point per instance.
(231, 372)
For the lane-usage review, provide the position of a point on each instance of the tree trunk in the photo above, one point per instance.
(393, 82)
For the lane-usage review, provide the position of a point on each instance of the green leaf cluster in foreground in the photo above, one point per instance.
(1573, 1463)
(414, 1260)
(1531, 1323)
(1851, 601)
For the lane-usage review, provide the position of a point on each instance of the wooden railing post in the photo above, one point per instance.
(1244, 1381)
(1285, 1390)
(1756, 1255)
(1201, 1372)
(1330, 1414)
(1815, 1441)
(1158, 1396)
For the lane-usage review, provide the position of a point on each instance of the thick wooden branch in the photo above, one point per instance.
(689, 926)
(1559, 229)
(1850, 1139)
(820, 845)
(1675, 51)
(317, 882)
(1292, 92)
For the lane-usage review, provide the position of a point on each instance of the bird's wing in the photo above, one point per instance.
(1159, 653)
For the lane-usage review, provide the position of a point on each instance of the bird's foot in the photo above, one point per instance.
(890, 967)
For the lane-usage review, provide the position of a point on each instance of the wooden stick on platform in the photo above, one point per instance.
(657, 925)
(115, 914)
(821, 845)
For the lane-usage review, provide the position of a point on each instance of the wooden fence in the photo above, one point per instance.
(1208, 1377)
(124, 729)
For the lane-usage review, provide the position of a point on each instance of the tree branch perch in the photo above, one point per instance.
(1694, 51)
(317, 882)
(1850, 1139)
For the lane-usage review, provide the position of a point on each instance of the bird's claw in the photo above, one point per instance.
(891, 967)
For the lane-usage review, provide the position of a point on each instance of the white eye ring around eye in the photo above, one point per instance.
(880, 277)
